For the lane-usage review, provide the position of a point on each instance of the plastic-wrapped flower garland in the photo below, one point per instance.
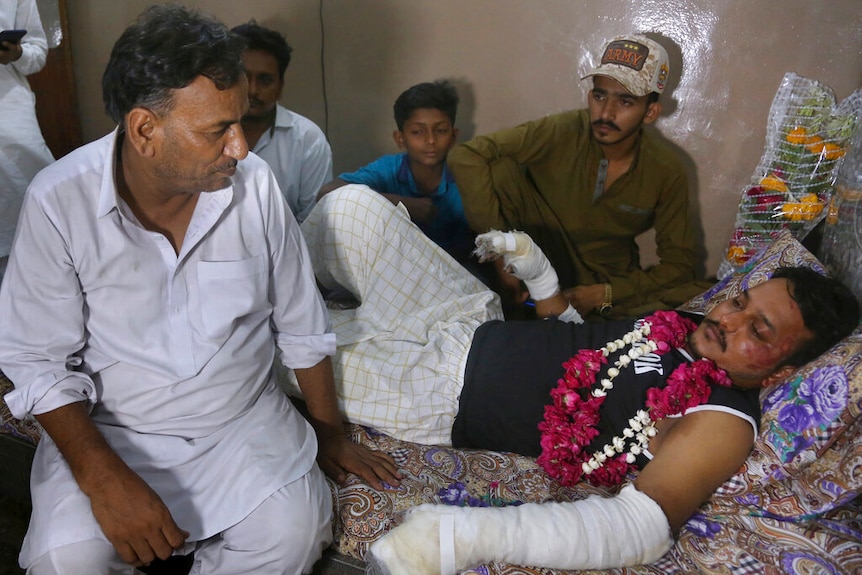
(807, 138)
(571, 420)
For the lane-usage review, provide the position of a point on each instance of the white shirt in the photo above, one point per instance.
(22, 149)
(173, 352)
(297, 151)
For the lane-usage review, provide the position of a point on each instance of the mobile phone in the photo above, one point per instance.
(13, 36)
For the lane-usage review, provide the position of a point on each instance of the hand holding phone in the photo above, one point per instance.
(11, 36)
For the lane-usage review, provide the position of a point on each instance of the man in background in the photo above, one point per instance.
(22, 148)
(294, 147)
(585, 183)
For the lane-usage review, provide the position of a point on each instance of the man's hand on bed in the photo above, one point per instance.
(339, 456)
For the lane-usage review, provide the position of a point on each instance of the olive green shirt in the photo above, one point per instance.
(540, 177)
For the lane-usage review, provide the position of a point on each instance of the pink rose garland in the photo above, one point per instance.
(571, 419)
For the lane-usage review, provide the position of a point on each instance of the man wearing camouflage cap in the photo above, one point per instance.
(584, 184)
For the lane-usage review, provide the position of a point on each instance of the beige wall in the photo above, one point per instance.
(515, 60)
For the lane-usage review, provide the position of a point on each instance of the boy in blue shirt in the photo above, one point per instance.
(418, 177)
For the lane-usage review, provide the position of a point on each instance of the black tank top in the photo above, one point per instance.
(512, 367)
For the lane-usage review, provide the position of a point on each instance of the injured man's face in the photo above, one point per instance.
(751, 335)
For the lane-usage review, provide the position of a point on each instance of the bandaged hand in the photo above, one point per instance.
(523, 258)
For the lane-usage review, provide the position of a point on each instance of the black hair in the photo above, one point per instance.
(652, 97)
(439, 95)
(259, 38)
(165, 49)
(829, 310)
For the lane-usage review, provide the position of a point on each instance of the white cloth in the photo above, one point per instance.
(286, 534)
(401, 354)
(173, 352)
(94, 556)
(273, 540)
(297, 151)
(22, 148)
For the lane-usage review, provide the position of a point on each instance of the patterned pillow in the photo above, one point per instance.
(785, 251)
(806, 465)
(794, 507)
(802, 416)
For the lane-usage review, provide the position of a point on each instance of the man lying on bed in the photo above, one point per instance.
(420, 349)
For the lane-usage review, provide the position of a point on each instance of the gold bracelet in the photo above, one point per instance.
(608, 301)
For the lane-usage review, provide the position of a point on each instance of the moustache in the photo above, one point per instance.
(610, 125)
(722, 341)
(254, 102)
(227, 166)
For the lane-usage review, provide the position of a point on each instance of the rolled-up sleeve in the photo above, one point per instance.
(42, 313)
(303, 351)
(300, 319)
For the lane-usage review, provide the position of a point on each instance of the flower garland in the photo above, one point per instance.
(808, 136)
(571, 420)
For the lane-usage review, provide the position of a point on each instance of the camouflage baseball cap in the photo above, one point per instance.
(638, 63)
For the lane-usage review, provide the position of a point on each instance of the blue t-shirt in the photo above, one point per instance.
(391, 174)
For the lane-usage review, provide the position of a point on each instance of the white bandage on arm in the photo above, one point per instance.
(526, 260)
(594, 533)
(571, 315)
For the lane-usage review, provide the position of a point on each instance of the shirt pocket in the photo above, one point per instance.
(230, 291)
(629, 219)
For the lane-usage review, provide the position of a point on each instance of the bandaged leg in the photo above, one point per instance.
(594, 533)
(527, 262)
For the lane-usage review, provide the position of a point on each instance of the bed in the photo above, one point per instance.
(794, 507)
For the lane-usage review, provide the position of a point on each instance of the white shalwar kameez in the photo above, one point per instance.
(22, 148)
(172, 352)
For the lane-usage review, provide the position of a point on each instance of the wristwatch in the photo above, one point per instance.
(607, 302)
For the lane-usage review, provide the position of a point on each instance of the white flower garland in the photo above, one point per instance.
(641, 427)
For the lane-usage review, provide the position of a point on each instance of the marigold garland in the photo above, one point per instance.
(571, 419)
